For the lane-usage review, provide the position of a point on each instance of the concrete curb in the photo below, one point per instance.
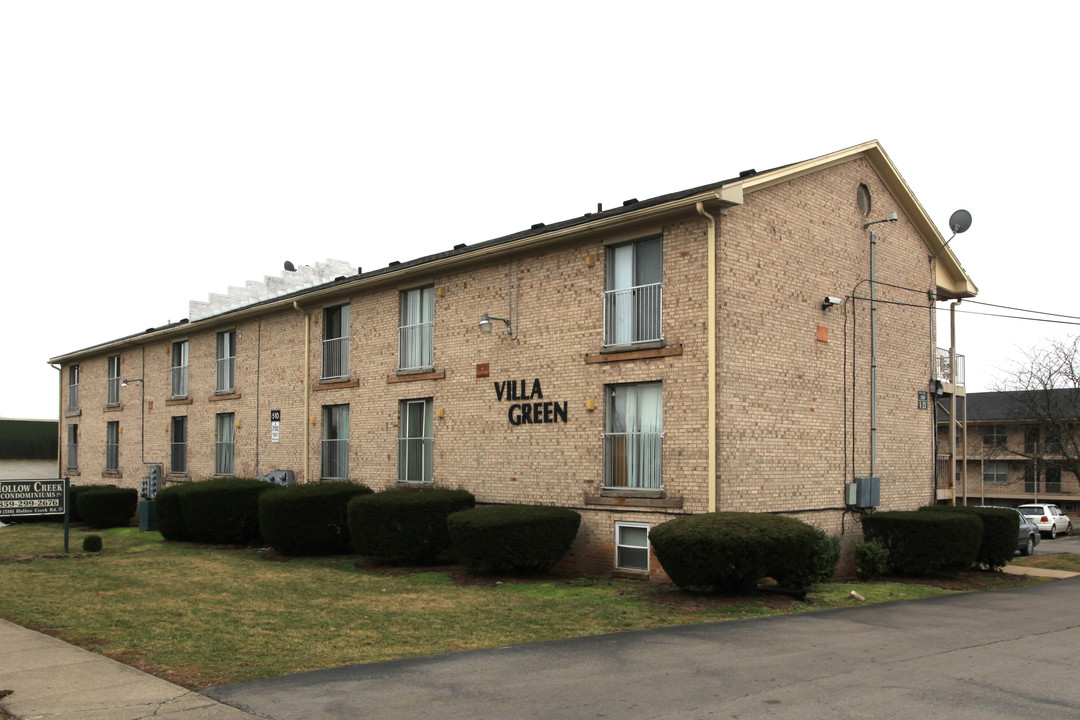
(1037, 572)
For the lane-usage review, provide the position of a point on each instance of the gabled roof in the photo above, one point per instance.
(952, 281)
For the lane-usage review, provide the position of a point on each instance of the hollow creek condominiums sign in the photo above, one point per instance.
(537, 412)
(31, 497)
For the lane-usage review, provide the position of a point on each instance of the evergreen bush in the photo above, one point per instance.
(871, 560)
(405, 525)
(92, 543)
(73, 500)
(922, 543)
(309, 519)
(999, 532)
(224, 511)
(170, 516)
(106, 506)
(508, 538)
(729, 551)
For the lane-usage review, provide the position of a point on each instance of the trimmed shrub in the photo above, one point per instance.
(106, 506)
(73, 500)
(170, 516)
(922, 543)
(999, 532)
(405, 525)
(729, 551)
(224, 511)
(309, 519)
(871, 560)
(507, 538)
(92, 543)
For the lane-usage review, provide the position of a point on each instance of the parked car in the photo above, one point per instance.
(1028, 537)
(1049, 519)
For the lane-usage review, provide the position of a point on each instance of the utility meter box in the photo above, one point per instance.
(279, 477)
(865, 492)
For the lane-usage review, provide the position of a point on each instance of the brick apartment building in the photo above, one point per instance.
(673, 355)
(1018, 450)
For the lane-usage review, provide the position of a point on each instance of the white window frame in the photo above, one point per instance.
(994, 469)
(72, 446)
(408, 457)
(112, 381)
(226, 362)
(334, 457)
(73, 387)
(634, 296)
(416, 329)
(619, 545)
(178, 379)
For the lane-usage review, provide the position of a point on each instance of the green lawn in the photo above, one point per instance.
(202, 616)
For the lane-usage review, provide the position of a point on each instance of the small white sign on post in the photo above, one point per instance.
(275, 426)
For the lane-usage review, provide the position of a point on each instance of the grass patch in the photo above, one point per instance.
(201, 615)
(1063, 561)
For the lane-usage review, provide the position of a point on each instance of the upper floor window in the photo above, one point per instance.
(633, 302)
(73, 387)
(112, 447)
(416, 331)
(179, 386)
(225, 446)
(995, 435)
(178, 445)
(226, 361)
(416, 442)
(996, 472)
(72, 447)
(335, 442)
(335, 358)
(633, 437)
(112, 383)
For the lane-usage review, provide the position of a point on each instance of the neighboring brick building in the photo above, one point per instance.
(602, 392)
(1019, 449)
(27, 449)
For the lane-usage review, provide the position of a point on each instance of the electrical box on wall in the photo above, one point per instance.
(865, 492)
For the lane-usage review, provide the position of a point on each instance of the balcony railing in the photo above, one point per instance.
(335, 459)
(335, 360)
(414, 459)
(416, 346)
(72, 456)
(633, 315)
(942, 366)
(73, 397)
(633, 460)
(112, 457)
(112, 394)
(178, 457)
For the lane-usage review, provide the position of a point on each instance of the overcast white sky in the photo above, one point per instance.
(152, 153)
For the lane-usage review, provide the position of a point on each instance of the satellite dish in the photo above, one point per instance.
(960, 221)
(292, 268)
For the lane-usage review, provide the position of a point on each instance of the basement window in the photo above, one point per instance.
(632, 546)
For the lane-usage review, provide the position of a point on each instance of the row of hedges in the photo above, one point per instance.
(401, 525)
(730, 551)
(941, 538)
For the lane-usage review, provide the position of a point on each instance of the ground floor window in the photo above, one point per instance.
(416, 441)
(335, 442)
(72, 447)
(633, 437)
(225, 446)
(996, 472)
(112, 447)
(632, 546)
(178, 446)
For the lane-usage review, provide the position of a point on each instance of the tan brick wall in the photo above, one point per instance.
(785, 396)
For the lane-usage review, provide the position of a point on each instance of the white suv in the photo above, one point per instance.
(1049, 519)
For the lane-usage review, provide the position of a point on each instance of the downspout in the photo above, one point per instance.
(59, 419)
(952, 406)
(307, 384)
(711, 354)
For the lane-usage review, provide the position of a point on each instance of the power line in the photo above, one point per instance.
(1035, 312)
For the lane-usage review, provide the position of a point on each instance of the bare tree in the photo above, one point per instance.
(1043, 402)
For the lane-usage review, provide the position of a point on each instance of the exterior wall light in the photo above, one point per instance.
(124, 383)
(485, 324)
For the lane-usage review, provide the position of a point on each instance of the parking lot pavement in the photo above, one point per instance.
(1064, 544)
(972, 655)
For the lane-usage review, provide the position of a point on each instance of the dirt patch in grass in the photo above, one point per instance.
(966, 581)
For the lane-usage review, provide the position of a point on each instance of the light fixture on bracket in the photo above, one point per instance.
(485, 324)
(124, 383)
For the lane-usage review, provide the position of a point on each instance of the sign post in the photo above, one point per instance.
(23, 498)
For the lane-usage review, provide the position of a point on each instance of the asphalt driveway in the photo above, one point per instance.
(984, 655)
